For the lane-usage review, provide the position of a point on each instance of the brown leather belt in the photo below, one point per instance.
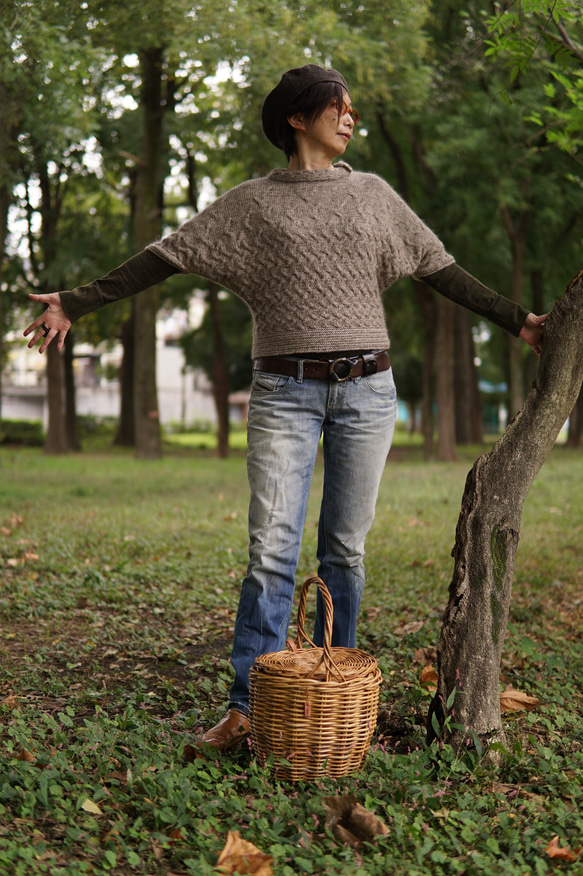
(337, 370)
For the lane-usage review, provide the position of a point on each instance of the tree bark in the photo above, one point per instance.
(517, 231)
(126, 431)
(147, 228)
(444, 382)
(71, 430)
(427, 303)
(488, 529)
(7, 139)
(56, 440)
(4, 208)
(468, 407)
(220, 374)
(575, 438)
(425, 297)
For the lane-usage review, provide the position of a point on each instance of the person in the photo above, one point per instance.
(310, 248)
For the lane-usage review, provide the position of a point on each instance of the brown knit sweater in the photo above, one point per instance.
(311, 253)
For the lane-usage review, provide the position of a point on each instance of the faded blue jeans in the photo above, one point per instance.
(287, 418)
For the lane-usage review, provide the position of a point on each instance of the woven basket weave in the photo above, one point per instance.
(314, 709)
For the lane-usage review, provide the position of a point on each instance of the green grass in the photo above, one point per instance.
(118, 587)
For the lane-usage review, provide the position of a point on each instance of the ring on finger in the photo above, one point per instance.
(45, 329)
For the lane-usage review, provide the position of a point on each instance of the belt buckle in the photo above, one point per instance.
(333, 374)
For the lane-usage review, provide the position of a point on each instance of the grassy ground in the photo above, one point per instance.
(118, 586)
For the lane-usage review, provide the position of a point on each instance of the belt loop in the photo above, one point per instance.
(300, 374)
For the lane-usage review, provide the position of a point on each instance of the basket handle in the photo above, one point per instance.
(327, 658)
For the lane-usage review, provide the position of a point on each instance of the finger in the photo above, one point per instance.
(48, 338)
(61, 342)
(33, 326)
(41, 331)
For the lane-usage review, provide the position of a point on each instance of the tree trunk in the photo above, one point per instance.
(126, 432)
(425, 297)
(411, 418)
(56, 440)
(9, 115)
(444, 382)
(468, 408)
(575, 439)
(4, 207)
(220, 374)
(71, 430)
(517, 234)
(488, 529)
(426, 301)
(147, 228)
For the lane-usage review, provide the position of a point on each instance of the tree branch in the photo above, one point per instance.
(564, 40)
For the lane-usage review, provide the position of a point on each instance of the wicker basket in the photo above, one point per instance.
(314, 709)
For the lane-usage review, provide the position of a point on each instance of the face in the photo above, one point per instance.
(331, 132)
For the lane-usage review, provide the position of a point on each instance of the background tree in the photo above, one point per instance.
(47, 78)
(220, 347)
(433, 124)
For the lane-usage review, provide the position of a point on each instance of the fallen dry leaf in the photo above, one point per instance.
(11, 701)
(553, 850)
(512, 700)
(425, 655)
(442, 812)
(25, 755)
(241, 856)
(157, 849)
(351, 822)
(90, 806)
(429, 678)
(409, 628)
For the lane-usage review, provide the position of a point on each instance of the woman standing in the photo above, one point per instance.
(310, 248)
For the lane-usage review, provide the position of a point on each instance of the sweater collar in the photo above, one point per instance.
(280, 174)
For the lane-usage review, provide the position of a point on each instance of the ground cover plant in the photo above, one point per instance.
(118, 587)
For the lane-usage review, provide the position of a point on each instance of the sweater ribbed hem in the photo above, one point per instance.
(298, 342)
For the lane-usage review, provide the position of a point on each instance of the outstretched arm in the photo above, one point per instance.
(459, 286)
(64, 308)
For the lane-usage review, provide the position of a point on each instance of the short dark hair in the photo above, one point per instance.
(311, 103)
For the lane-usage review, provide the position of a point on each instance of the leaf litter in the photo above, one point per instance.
(100, 693)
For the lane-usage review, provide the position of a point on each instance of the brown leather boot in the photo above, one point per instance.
(231, 729)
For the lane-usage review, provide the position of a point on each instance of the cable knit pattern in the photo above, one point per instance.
(311, 253)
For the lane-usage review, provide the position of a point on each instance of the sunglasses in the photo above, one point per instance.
(347, 110)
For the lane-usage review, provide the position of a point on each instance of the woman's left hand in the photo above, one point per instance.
(532, 331)
(54, 323)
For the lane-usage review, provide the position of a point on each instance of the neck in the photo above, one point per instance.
(309, 159)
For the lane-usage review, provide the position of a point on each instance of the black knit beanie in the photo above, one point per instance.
(292, 84)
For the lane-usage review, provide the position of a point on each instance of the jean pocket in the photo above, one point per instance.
(263, 381)
(382, 383)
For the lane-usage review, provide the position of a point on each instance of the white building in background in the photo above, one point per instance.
(184, 394)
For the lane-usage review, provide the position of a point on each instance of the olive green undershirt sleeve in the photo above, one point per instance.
(140, 272)
(459, 286)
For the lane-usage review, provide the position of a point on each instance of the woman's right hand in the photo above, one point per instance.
(54, 319)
